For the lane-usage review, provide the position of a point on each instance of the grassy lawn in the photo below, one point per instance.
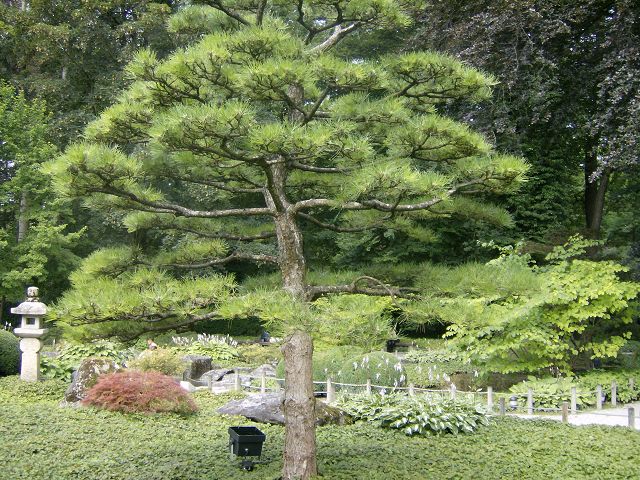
(40, 440)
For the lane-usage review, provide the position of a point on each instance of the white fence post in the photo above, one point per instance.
(490, 398)
(599, 397)
(530, 402)
(331, 392)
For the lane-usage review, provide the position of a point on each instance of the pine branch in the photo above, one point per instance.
(339, 32)
(312, 168)
(223, 235)
(217, 4)
(383, 289)
(336, 228)
(259, 258)
(379, 205)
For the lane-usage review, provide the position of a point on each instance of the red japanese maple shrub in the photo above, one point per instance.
(145, 392)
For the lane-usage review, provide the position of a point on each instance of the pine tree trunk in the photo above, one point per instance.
(299, 408)
(299, 461)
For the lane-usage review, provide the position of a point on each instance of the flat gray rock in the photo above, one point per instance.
(267, 408)
(216, 374)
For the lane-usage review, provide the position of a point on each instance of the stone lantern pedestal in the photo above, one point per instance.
(30, 332)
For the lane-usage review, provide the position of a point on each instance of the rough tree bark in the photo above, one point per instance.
(594, 193)
(23, 220)
(299, 408)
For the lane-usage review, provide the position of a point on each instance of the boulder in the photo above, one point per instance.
(187, 386)
(269, 371)
(216, 374)
(86, 376)
(196, 366)
(267, 408)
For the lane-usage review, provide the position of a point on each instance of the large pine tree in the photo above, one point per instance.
(239, 142)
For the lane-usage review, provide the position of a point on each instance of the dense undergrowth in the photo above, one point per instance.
(43, 441)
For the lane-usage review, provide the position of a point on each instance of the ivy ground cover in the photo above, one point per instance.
(41, 441)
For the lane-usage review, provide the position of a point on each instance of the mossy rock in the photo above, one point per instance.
(86, 376)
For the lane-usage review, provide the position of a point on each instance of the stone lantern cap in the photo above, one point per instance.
(31, 311)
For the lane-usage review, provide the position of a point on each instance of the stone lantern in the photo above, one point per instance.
(30, 332)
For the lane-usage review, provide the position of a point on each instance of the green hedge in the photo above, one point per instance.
(9, 353)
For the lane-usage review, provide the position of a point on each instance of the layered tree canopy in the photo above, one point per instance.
(232, 145)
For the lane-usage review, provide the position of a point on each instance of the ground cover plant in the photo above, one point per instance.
(52, 442)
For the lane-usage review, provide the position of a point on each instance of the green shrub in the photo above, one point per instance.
(98, 349)
(58, 368)
(219, 348)
(415, 415)
(549, 392)
(326, 363)
(161, 360)
(139, 392)
(9, 353)
(629, 355)
(381, 368)
(588, 382)
(254, 354)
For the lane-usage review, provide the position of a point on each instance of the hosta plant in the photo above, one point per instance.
(219, 348)
(416, 415)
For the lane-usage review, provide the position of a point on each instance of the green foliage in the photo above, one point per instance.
(253, 354)
(327, 363)
(40, 252)
(629, 355)
(359, 139)
(551, 392)
(29, 393)
(220, 349)
(75, 352)
(9, 353)
(196, 446)
(590, 380)
(381, 368)
(57, 368)
(415, 415)
(139, 392)
(338, 325)
(433, 367)
(161, 360)
(574, 308)
(123, 302)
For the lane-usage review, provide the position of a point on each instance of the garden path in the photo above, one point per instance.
(618, 416)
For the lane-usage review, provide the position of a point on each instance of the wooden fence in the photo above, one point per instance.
(486, 397)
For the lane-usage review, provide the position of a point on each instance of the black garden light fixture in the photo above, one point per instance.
(513, 402)
(246, 442)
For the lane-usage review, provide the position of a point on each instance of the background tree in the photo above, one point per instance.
(513, 316)
(567, 97)
(32, 243)
(238, 142)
